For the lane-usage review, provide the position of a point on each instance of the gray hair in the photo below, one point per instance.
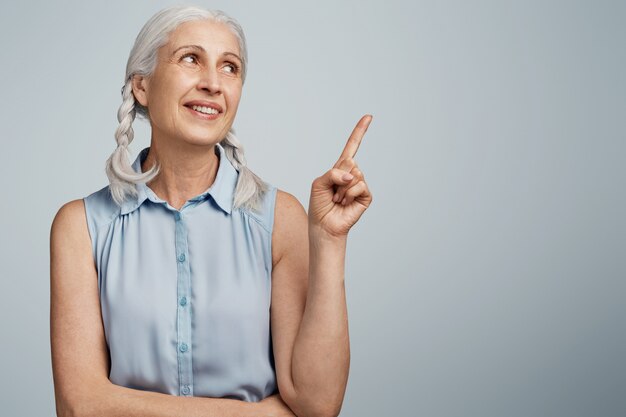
(142, 61)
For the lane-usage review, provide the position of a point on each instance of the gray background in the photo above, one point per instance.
(488, 276)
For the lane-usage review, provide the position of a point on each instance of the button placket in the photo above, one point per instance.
(183, 323)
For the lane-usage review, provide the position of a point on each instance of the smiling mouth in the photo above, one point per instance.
(205, 110)
(208, 113)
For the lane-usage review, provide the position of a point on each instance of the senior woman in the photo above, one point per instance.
(188, 285)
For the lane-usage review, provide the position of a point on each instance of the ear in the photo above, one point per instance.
(139, 83)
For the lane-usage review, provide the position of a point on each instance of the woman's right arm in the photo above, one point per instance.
(80, 360)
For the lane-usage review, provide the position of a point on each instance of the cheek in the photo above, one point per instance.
(168, 97)
(234, 95)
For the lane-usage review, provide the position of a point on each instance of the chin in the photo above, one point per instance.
(202, 141)
(203, 138)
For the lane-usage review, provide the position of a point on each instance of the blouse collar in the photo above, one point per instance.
(222, 190)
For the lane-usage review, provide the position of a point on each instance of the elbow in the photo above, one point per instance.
(326, 412)
(83, 408)
(64, 403)
(320, 405)
(315, 407)
(81, 403)
(66, 408)
(307, 402)
(329, 411)
(71, 409)
(62, 410)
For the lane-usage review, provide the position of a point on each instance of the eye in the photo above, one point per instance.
(193, 57)
(234, 68)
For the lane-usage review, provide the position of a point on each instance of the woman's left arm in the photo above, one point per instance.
(309, 316)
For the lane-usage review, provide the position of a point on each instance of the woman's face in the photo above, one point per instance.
(199, 66)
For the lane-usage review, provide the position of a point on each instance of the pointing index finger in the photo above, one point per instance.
(349, 151)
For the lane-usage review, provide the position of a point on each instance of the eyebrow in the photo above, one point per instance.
(199, 48)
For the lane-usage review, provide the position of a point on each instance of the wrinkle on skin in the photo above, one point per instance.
(183, 143)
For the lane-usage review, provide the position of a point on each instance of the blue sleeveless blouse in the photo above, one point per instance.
(185, 294)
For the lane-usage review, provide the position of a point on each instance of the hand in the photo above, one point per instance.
(336, 204)
(274, 406)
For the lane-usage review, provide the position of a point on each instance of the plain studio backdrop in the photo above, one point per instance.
(488, 276)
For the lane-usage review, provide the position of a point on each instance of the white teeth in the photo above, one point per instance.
(207, 110)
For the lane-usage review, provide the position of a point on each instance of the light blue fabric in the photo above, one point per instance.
(185, 295)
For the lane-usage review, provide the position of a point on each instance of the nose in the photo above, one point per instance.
(210, 81)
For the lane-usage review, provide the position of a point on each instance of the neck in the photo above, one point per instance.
(186, 170)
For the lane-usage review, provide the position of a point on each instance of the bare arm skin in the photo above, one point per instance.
(309, 316)
(80, 360)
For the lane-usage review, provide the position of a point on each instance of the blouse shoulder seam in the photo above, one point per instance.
(100, 225)
(256, 219)
(268, 222)
(113, 217)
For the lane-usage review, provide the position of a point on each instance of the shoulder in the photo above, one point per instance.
(79, 219)
(100, 205)
(69, 227)
(288, 207)
(69, 214)
(290, 224)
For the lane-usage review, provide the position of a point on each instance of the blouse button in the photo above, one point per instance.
(181, 257)
(183, 301)
(186, 389)
(177, 216)
(183, 347)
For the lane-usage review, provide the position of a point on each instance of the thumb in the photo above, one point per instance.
(333, 176)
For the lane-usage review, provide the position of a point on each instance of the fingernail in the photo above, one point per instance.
(335, 198)
(343, 201)
(347, 176)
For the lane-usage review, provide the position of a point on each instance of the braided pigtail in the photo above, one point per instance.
(143, 61)
(122, 177)
(250, 188)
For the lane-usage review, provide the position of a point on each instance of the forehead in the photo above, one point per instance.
(210, 35)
